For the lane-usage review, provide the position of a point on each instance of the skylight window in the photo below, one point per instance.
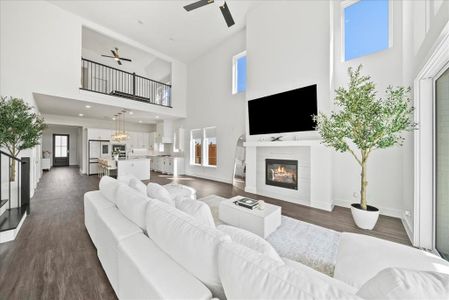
(366, 27)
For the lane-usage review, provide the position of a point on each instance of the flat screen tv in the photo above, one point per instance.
(289, 111)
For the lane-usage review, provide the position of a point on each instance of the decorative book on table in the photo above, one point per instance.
(247, 203)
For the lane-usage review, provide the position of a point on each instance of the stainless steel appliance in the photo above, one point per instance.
(96, 150)
(121, 149)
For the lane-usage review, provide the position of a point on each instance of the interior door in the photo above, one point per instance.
(61, 153)
(441, 219)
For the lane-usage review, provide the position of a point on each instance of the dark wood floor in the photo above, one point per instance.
(54, 258)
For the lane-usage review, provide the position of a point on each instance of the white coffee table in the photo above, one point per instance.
(259, 221)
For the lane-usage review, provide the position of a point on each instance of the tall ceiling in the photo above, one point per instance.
(165, 25)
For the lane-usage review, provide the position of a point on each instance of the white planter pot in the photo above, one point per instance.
(365, 219)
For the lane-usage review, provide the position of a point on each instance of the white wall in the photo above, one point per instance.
(74, 142)
(211, 103)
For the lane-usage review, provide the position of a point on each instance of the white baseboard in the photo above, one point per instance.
(219, 179)
(408, 227)
(386, 211)
(10, 235)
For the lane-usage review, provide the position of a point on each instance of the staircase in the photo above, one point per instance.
(14, 195)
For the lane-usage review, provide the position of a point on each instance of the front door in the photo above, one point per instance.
(61, 153)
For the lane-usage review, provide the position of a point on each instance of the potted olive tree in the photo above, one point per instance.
(363, 123)
(20, 128)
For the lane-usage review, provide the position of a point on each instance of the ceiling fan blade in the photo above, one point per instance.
(125, 59)
(114, 53)
(119, 62)
(107, 56)
(227, 15)
(198, 4)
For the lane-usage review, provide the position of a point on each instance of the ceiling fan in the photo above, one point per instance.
(224, 10)
(117, 57)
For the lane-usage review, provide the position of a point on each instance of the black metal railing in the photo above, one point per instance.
(100, 78)
(14, 183)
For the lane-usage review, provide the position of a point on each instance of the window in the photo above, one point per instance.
(210, 147)
(366, 27)
(203, 147)
(61, 145)
(239, 73)
(196, 149)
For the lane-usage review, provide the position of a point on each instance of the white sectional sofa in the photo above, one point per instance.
(152, 250)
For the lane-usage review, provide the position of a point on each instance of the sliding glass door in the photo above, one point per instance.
(441, 224)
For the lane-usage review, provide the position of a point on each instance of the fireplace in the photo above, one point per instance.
(282, 173)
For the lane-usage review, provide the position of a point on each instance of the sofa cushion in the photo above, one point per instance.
(156, 191)
(395, 283)
(132, 205)
(197, 209)
(108, 187)
(247, 274)
(138, 186)
(361, 257)
(250, 240)
(187, 241)
(176, 190)
(147, 272)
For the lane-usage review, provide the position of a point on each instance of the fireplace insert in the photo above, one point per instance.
(281, 173)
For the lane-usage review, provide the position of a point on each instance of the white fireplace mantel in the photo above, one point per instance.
(314, 155)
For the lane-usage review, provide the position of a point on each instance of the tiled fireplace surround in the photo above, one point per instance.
(314, 171)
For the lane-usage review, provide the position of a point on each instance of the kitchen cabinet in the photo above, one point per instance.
(168, 165)
(164, 132)
(178, 140)
(99, 134)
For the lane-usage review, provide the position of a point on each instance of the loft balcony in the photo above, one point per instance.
(103, 79)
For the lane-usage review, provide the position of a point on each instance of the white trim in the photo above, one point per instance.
(424, 142)
(407, 226)
(234, 71)
(209, 177)
(10, 235)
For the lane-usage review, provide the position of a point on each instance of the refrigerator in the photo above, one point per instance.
(97, 149)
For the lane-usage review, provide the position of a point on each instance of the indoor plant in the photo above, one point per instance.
(362, 124)
(20, 128)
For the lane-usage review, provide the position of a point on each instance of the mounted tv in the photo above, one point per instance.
(289, 111)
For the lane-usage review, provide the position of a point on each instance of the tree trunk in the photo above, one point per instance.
(12, 169)
(364, 183)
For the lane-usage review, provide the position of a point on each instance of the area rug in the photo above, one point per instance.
(309, 244)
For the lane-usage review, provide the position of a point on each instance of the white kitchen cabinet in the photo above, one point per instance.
(164, 132)
(168, 165)
(99, 134)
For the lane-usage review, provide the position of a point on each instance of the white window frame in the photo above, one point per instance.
(206, 148)
(192, 148)
(235, 58)
(346, 3)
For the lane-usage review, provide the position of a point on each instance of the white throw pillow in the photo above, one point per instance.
(250, 240)
(396, 283)
(108, 188)
(132, 205)
(138, 185)
(187, 241)
(197, 209)
(156, 191)
(247, 274)
(176, 189)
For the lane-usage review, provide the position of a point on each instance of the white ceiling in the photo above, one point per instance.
(143, 63)
(72, 108)
(166, 27)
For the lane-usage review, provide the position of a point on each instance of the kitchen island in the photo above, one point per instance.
(138, 167)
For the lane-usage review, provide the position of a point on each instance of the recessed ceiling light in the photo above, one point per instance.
(88, 106)
(140, 121)
(157, 117)
(140, 22)
(81, 115)
(131, 113)
(113, 118)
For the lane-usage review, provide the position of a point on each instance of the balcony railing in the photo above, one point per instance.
(104, 79)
